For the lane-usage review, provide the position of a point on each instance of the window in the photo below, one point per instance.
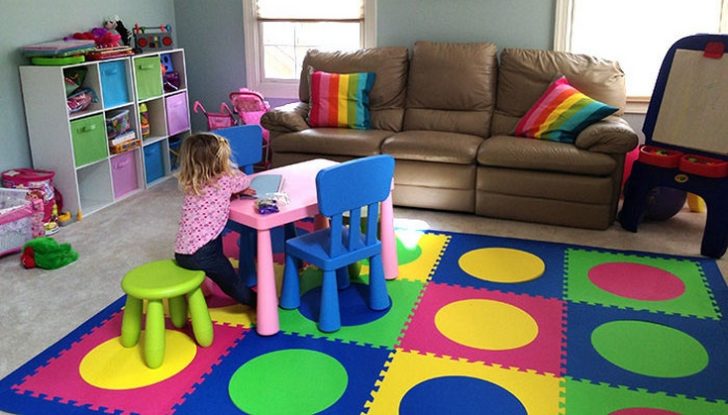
(636, 33)
(279, 32)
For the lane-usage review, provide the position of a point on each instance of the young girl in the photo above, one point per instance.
(208, 181)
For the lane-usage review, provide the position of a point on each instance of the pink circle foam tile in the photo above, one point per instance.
(59, 379)
(543, 354)
(637, 281)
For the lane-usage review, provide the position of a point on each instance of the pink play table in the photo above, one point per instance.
(299, 181)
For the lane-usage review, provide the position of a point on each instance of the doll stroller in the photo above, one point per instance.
(216, 120)
(250, 107)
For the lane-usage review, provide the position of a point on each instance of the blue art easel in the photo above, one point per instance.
(688, 114)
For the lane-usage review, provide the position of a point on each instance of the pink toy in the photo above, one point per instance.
(250, 107)
(217, 120)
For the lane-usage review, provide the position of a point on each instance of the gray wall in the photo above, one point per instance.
(211, 31)
(513, 23)
(212, 34)
(24, 22)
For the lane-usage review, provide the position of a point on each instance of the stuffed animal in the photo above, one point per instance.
(46, 253)
(114, 25)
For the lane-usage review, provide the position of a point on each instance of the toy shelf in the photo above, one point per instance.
(92, 171)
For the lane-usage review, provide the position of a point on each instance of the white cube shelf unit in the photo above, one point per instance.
(91, 172)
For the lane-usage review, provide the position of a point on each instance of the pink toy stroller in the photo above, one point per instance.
(215, 120)
(250, 107)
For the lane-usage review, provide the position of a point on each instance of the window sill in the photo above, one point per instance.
(636, 107)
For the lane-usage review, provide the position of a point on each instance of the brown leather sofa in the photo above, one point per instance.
(446, 116)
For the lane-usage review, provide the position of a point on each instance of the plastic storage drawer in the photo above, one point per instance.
(124, 173)
(89, 139)
(153, 161)
(148, 74)
(113, 83)
(178, 119)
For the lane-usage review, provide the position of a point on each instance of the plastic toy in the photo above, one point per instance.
(64, 218)
(46, 253)
(148, 38)
(216, 120)
(250, 106)
(266, 206)
(685, 129)
(144, 120)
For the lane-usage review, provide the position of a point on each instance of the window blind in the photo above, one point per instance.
(309, 10)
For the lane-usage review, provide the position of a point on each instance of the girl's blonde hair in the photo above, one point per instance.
(203, 158)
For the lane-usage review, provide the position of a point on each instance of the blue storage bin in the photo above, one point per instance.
(153, 162)
(113, 83)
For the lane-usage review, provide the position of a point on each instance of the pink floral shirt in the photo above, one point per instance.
(204, 216)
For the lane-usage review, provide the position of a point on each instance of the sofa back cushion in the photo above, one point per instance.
(387, 97)
(451, 87)
(524, 75)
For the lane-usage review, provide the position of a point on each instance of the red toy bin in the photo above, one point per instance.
(660, 157)
(704, 166)
(42, 180)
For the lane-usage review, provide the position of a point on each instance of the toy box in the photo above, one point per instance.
(16, 220)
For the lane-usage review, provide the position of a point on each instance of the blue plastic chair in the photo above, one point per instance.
(246, 143)
(346, 187)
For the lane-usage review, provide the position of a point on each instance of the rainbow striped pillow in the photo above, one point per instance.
(561, 113)
(340, 100)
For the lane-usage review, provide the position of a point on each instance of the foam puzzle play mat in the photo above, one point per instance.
(477, 325)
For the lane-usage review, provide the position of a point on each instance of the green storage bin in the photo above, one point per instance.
(148, 74)
(89, 139)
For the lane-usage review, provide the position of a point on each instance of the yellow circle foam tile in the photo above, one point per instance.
(504, 265)
(113, 366)
(501, 326)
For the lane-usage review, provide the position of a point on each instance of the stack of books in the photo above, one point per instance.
(59, 52)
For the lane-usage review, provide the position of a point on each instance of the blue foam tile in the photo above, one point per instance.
(584, 362)
(550, 284)
(363, 366)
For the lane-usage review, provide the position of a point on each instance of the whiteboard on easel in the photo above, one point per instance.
(694, 109)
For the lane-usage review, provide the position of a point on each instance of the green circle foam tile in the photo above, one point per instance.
(292, 381)
(332, 377)
(697, 300)
(382, 332)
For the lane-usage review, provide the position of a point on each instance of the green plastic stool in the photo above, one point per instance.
(154, 282)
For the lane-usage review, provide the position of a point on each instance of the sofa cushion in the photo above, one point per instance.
(455, 84)
(524, 74)
(331, 141)
(561, 113)
(517, 153)
(340, 100)
(433, 146)
(388, 94)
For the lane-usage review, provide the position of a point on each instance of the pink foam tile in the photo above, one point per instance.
(60, 379)
(543, 354)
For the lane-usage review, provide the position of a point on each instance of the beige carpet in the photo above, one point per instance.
(39, 307)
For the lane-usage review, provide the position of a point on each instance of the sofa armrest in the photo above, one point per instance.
(287, 118)
(613, 135)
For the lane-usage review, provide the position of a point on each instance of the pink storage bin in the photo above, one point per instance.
(124, 173)
(17, 220)
(41, 180)
(178, 119)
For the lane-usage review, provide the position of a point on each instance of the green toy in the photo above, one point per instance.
(46, 253)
